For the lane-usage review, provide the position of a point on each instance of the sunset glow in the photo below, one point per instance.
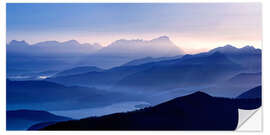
(190, 26)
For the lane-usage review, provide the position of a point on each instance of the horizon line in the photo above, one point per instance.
(185, 49)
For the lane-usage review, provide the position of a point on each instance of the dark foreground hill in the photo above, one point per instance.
(252, 94)
(23, 119)
(197, 111)
(251, 99)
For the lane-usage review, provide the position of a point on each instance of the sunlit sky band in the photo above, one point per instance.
(194, 27)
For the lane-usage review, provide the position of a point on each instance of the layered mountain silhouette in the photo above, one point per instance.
(51, 96)
(47, 55)
(197, 111)
(250, 99)
(123, 51)
(251, 94)
(51, 47)
(236, 85)
(229, 49)
(101, 79)
(23, 119)
(78, 70)
(247, 56)
(149, 60)
(41, 125)
(246, 79)
(74, 76)
(26, 58)
(188, 71)
(213, 67)
(158, 47)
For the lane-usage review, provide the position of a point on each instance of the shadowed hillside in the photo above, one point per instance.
(197, 111)
(251, 99)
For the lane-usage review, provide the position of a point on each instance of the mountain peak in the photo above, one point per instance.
(199, 93)
(226, 48)
(161, 38)
(16, 42)
(229, 46)
(52, 42)
(52, 46)
(74, 42)
(158, 47)
(248, 47)
(229, 49)
(196, 95)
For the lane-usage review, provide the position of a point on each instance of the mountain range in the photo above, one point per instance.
(179, 73)
(62, 76)
(188, 70)
(158, 47)
(51, 47)
(247, 56)
(229, 49)
(216, 71)
(48, 55)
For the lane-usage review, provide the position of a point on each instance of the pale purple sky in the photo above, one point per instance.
(191, 26)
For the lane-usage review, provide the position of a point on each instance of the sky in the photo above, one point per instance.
(193, 27)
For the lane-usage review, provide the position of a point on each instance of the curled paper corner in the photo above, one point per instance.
(250, 120)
